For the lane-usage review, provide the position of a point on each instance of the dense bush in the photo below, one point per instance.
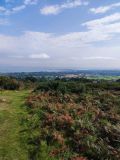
(9, 83)
(62, 87)
(31, 79)
(74, 121)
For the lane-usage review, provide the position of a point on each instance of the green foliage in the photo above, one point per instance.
(62, 87)
(31, 79)
(9, 83)
(76, 119)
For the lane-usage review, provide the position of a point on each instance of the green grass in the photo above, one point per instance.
(11, 110)
(104, 77)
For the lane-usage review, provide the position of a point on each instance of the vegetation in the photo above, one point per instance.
(74, 119)
(11, 111)
(9, 83)
(59, 119)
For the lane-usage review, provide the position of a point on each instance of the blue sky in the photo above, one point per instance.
(64, 34)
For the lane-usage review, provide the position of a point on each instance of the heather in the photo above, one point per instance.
(73, 119)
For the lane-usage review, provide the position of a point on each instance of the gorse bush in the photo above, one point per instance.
(9, 83)
(62, 87)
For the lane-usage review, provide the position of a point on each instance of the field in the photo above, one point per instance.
(104, 77)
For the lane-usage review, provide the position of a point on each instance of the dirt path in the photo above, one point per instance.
(11, 109)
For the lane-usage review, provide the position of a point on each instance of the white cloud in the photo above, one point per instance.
(57, 49)
(103, 21)
(98, 30)
(55, 9)
(2, 9)
(39, 56)
(30, 2)
(6, 11)
(9, 1)
(104, 9)
(18, 8)
(50, 10)
(17, 56)
(100, 58)
(35, 42)
(4, 21)
(107, 26)
(31, 47)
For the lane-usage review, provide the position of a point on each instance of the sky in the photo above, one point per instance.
(38, 35)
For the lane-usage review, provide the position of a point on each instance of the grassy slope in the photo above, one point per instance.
(10, 112)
